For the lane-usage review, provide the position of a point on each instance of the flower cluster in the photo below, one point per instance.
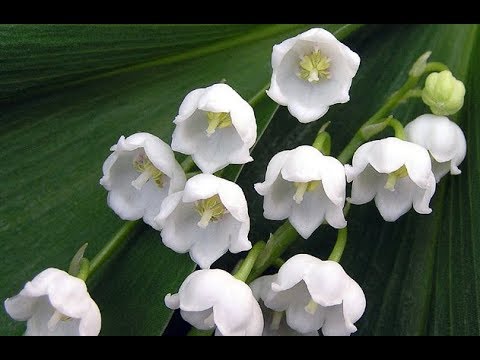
(207, 215)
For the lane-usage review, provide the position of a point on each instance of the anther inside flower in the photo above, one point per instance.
(210, 209)
(303, 187)
(55, 319)
(394, 176)
(218, 120)
(147, 171)
(314, 67)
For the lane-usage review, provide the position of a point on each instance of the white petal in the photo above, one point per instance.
(202, 320)
(421, 198)
(273, 171)
(364, 186)
(303, 164)
(211, 243)
(334, 216)
(180, 230)
(239, 237)
(278, 201)
(326, 281)
(189, 105)
(354, 304)
(335, 322)
(91, 322)
(307, 216)
(442, 169)
(442, 137)
(393, 204)
(302, 321)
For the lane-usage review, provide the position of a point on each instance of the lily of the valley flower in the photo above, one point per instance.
(216, 126)
(306, 187)
(208, 218)
(275, 321)
(139, 174)
(214, 298)
(443, 139)
(312, 294)
(311, 72)
(396, 173)
(55, 303)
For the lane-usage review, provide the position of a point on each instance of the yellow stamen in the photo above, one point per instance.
(210, 209)
(311, 307)
(302, 188)
(147, 171)
(314, 67)
(218, 120)
(394, 176)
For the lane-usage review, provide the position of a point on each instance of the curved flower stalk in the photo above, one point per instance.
(55, 303)
(312, 294)
(311, 72)
(216, 126)
(396, 173)
(443, 139)
(211, 299)
(139, 175)
(306, 187)
(208, 218)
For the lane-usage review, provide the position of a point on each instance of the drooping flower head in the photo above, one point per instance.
(311, 72)
(55, 303)
(139, 174)
(396, 173)
(208, 218)
(214, 298)
(216, 126)
(312, 294)
(306, 187)
(443, 139)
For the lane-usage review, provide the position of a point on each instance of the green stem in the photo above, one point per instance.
(114, 244)
(339, 247)
(275, 247)
(323, 141)
(187, 164)
(359, 138)
(397, 127)
(247, 265)
(197, 332)
(435, 67)
(278, 263)
(84, 269)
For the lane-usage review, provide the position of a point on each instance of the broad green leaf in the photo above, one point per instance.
(54, 143)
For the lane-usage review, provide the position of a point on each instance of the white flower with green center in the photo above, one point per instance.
(55, 303)
(311, 72)
(275, 321)
(306, 187)
(310, 294)
(210, 299)
(139, 175)
(396, 173)
(207, 219)
(443, 139)
(216, 127)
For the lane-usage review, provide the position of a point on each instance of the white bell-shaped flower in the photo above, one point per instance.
(396, 173)
(313, 294)
(214, 298)
(443, 139)
(306, 187)
(55, 303)
(275, 321)
(139, 175)
(208, 218)
(311, 72)
(216, 126)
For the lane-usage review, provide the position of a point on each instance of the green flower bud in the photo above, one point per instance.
(443, 93)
